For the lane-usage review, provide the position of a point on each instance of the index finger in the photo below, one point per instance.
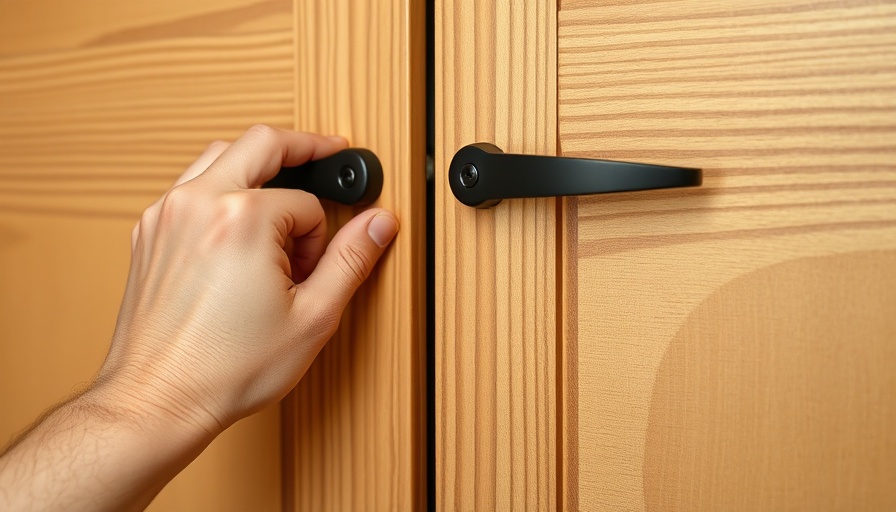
(258, 155)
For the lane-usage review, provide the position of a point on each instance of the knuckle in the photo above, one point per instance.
(181, 203)
(320, 321)
(234, 216)
(148, 217)
(216, 146)
(236, 207)
(354, 263)
(175, 203)
(177, 197)
(262, 132)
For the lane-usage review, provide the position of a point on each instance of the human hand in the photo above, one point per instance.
(232, 292)
(232, 289)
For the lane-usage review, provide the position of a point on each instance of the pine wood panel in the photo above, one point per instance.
(496, 334)
(102, 105)
(354, 428)
(731, 347)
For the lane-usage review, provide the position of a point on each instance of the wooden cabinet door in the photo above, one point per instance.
(102, 105)
(354, 428)
(731, 347)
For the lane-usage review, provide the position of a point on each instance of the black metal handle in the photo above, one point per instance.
(481, 175)
(352, 176)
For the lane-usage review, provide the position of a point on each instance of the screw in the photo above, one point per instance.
(469, 175)
(346, 177)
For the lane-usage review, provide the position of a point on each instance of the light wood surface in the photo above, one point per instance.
(102, 105)
(354, 431)
(496, 332)
(732, 347)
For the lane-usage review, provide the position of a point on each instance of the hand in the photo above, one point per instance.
(232, 292)
(232, 289)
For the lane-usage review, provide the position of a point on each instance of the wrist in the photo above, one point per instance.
(142, 407)
(97, 451)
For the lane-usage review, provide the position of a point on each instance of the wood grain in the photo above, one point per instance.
(103, 129)
(496, 332)
(354, 428)
(102, 105)
(709, 324)
(795, 387)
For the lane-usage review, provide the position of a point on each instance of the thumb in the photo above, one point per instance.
(347, 262)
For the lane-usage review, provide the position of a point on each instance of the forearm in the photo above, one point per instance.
(96, 452)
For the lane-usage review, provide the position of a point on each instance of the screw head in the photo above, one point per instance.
(469, 175)
(346, 177)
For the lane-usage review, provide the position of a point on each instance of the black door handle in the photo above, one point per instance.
(352, 176)
(481, 175)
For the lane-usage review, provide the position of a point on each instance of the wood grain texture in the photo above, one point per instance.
(732, 345)
(787, 373)
(354, 431)
(102, 105)
(104, 128)
(496, 332)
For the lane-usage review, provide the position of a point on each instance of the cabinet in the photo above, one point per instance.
(102, 105)
(730, 347)
(723, 348)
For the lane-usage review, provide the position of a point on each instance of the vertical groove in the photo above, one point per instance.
(570, 450)
(563, 289)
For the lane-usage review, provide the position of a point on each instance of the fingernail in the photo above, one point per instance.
(382, 229)
(338, 138)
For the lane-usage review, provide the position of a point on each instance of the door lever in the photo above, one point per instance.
(481, 175)
(352, 176)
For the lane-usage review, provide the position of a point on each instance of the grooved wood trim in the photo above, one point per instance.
(739, 334)
(102, 104)
(354, 428)
(496, 332)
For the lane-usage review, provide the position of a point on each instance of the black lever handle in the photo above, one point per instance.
(481, 175)
(352, 176)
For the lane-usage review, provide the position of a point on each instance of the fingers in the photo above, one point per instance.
(258, 155)
(298, 221)
(347, 262)
(305, 252)
(211, 153)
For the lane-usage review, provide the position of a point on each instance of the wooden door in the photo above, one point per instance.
(354, 428)
(102, 105)
(731, 347)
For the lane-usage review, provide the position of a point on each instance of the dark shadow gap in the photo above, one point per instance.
(430, 260)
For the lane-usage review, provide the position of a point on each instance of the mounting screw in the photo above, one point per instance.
(469, 175)
(346, 177)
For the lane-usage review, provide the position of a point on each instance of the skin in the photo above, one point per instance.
(232, 292)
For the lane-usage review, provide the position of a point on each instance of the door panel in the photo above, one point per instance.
(794, 386)
(496, 270)
(722, 348)
(102, 105)
(731, 347)
(354, 428)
